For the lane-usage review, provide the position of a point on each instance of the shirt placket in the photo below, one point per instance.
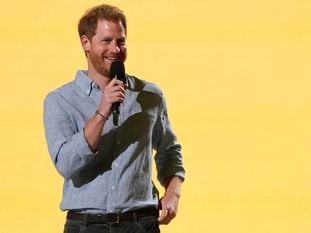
(116, 166)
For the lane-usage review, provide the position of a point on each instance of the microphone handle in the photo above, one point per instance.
(116, 106)
(115, 113)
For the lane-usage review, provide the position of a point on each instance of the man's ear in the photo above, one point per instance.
(86, 43)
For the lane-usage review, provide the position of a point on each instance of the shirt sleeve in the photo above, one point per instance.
(67, 146)
(168, 156)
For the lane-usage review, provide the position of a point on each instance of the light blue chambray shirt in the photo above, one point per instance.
(117, 178)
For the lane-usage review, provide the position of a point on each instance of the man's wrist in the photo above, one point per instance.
(98, 113)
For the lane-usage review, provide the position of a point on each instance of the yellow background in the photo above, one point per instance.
(236, 75)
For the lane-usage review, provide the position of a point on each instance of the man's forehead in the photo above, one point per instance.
(107, 25)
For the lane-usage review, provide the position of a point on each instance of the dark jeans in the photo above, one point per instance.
(142, 225)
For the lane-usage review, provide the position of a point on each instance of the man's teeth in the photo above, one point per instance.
(111, 58)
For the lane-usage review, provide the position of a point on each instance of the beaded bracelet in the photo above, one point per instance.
(100, 114)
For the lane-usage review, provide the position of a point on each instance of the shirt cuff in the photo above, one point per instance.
(82, 147)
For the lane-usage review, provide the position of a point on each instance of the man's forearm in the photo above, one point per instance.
(169, 202)
(93, 129)
(173, 185)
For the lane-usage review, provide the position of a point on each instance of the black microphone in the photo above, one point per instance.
(117, 69)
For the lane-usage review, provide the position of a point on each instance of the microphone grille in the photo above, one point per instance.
(117, 69)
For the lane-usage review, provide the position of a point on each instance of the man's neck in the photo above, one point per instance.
(101, 80)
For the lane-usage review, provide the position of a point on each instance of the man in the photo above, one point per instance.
(107, 168)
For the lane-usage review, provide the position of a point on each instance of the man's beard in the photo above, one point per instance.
(98, 64)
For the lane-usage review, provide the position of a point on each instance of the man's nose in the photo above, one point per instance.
(114, 47)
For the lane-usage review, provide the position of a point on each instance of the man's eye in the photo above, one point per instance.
(106, 41)
(122, 42)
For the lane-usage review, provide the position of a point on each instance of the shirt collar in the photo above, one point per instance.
(85, 83)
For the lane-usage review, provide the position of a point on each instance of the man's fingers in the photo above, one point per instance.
(115, 91)
(114, 82)
(166, 215)
(117, 94)
(117, 88)
(163, 216)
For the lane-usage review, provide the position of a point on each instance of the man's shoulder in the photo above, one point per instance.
(61, 91)
(143, 85)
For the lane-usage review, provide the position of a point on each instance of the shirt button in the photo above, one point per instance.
(118, 142)
(116, 164)
(112, 187)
